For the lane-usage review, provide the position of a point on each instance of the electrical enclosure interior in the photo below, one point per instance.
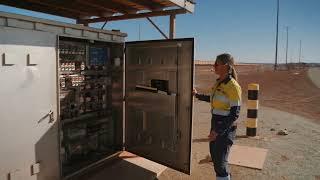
(91, 83)
(91, 101)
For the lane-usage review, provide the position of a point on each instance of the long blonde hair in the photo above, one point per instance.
(228, 60)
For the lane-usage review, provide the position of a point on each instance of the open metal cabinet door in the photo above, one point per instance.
(158, 93)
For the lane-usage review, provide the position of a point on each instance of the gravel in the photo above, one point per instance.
(294, 156)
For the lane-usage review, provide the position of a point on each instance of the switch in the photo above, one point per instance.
(35, 169)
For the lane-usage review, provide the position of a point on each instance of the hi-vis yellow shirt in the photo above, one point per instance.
(225, 95)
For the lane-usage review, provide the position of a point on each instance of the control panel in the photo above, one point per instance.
(85, 103)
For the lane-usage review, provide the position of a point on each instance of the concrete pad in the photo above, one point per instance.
(246, 156)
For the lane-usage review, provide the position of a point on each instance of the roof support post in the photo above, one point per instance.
(82, 20)
(172, 26)
(163, 34)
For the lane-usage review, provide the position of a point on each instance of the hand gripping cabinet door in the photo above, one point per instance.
(158, 101)
(28, 105)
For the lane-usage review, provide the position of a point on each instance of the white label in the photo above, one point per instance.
(117, 62)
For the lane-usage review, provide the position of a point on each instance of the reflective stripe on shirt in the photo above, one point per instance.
(220, 112)
(221, 98)
(235, 103)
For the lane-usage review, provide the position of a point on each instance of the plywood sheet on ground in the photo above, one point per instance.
(127, 167)
(246, 156)
(143, 163)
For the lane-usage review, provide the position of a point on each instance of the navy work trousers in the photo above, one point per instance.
(219, 150)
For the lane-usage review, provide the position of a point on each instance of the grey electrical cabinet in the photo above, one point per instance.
(72, 96)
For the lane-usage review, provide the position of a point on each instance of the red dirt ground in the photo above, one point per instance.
(291, 91)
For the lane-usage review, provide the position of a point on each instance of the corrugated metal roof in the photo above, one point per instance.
(93, 9)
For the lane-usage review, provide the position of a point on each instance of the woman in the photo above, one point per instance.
(225, 99)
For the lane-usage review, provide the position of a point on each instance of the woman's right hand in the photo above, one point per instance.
(212, 136)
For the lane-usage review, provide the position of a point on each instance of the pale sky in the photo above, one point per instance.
(245, 28)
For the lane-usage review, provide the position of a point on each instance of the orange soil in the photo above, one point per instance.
(290, 91)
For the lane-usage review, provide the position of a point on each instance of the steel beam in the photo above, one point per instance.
(137, 16)
(163, 34)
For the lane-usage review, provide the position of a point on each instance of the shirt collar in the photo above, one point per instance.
(226, 80)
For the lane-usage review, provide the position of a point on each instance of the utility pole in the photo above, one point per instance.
(287, 47)
(300, 53)
(276, 58)
(139, 32)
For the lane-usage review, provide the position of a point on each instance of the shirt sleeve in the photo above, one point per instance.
(234, 95)
(203, 97)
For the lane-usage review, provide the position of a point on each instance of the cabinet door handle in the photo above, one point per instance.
(50, 115)
(4, 58)
(29, 61)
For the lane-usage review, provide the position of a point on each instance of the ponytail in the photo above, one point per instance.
(234, 73)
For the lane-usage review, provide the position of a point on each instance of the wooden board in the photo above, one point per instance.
(246, 156)
(126, 167)
(143, 163)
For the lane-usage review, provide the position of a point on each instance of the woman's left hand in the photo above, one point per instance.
(212, 136)
(194, 91)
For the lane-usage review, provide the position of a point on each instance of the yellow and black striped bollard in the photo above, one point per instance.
(252, 112)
